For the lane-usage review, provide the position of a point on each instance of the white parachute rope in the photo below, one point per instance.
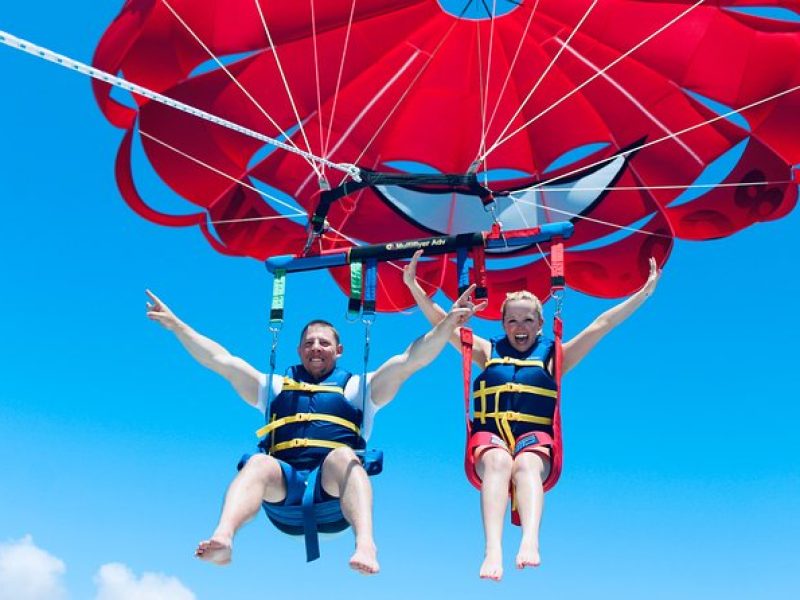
(230, 75)
(229, 177)
(405, 93)
(536, 85)
(68, 63)
(286, 87)
(511, 69)
(672, 135)
(484, 104)
(327, 141)
(316, 76)
(630, 188)
(501, 140)
(573, 215)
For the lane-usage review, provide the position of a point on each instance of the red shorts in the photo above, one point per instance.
(534, 441)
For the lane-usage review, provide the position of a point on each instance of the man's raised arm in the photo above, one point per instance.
(241, 375)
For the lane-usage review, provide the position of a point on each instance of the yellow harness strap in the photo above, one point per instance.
(503, 419)
(517, 362)
(304, 443)
(305, 417)
(300, 386)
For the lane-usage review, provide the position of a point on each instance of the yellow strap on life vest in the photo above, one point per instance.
(510, 415)
(301, 386)
(517, 362)
(305, 417)
(515, 387)
(304, 443)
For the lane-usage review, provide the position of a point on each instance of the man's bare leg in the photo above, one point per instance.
(260, 479)
(494, 468)
(530, 471)
(344, 477)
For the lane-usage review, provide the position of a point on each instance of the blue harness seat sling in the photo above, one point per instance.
(305, 421)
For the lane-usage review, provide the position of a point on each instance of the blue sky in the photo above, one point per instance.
(681, 475)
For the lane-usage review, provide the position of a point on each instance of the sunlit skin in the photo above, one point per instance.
(342, 475)
(318, 351)
(496, 467)
(521, 324)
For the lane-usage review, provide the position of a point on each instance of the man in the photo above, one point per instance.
(268, 480)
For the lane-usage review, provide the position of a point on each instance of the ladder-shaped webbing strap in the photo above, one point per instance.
(462, 269)
(479, 266)
(557, 283)
(278, 296)
(466, 368)
(370, 285)
(356, 287)
(301, 386)
(305, 418)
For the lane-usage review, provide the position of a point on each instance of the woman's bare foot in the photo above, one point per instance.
(492, 567)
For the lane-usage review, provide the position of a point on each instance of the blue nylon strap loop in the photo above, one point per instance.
(462, 254)
(309, 518)
(370, 285)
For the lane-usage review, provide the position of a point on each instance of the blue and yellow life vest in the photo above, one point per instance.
(515, 394)
(309, 418)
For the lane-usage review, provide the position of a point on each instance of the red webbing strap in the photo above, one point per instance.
(479, 264)
(556, 288)
(466, 368)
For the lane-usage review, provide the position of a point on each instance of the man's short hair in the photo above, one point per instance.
(322, 322)
(523, 295)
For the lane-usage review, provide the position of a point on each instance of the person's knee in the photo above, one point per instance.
(496, 461)
(342, 458)
(263, 468)
(529, 465)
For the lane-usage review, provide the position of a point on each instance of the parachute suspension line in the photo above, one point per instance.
(538, 82)
(504, 137)
(503, 88)
(632, 188)
(317, 168)
(230, 75)
(636, 103)
(68, 63)
(484, 82)
(231, 178)
(323, 181)
(671, 136)
(591, 220)
(327, 140)
(405, 93)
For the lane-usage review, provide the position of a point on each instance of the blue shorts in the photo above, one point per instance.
(287, 516)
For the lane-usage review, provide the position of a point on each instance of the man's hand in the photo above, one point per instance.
(464, 308)
(160, 312)
(410, 270)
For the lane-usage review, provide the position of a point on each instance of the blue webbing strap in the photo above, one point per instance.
(309, 518)
(462, 254)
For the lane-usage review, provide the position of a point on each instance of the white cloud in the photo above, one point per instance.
(115, 581)
(29, 573)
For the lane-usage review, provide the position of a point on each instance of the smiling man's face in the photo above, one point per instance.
(319, 350)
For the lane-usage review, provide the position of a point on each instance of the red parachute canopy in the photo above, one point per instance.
(607, 113)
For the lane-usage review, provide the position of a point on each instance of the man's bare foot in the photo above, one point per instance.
(492, 567)
(528, 556)
(215, 550)
(365, 559)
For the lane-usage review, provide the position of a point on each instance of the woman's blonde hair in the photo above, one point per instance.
(523, 295)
